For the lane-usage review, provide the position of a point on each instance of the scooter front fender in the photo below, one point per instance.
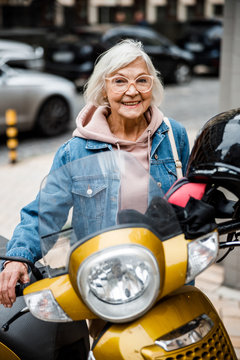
(138, 340)
(6, 353)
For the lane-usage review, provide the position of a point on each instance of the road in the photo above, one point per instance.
(192, 105)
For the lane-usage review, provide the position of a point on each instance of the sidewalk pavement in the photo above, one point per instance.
(225, 300)
(19, 185)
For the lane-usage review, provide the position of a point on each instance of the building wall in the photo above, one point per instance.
(70, 12)
(230, 60)
(166, 16)
(229, 99)
(180, 10)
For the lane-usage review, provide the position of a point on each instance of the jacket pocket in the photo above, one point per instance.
(171, 168)
(92, 204)
(88, 188)
(89, 196)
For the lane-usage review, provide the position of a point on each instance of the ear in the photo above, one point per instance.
(105, 97)
(104, 93)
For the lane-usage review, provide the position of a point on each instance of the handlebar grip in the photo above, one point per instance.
(36, 272)
(19, 289)
(228, 227)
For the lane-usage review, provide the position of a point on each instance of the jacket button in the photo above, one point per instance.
(159, 184)
(156, 156)
(89, 191)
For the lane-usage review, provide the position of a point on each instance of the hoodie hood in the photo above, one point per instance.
(92, 124)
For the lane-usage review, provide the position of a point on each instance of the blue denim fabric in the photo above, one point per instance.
(25, 241)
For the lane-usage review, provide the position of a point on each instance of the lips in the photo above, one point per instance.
(131, 103)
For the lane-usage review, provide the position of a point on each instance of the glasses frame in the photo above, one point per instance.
(131, 82)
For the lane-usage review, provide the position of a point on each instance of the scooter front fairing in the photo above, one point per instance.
(115, 253)
(99, 244)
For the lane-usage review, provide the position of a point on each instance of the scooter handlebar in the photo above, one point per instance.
(228, 227)
(19, 289)
(36, 272)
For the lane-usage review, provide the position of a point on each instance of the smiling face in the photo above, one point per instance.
(131, 104)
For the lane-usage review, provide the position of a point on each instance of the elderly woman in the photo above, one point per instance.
(122, 96)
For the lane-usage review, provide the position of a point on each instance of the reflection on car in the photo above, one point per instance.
(19, 54)
(203, 39)
(73, 56)
(42, 102)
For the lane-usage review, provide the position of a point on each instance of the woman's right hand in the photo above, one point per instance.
(13, 272)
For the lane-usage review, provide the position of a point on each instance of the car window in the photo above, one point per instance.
(112, 40)
(147, 41)
(151, 41)
(146, 36)
(215, 33)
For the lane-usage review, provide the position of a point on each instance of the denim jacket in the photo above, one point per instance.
(25, 241)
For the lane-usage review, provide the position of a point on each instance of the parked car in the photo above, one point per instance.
(19, 54)
(203, 39)
(43, 102)
(74, 56)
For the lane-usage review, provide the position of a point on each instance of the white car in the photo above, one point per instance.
(20, 54)
(42, 101)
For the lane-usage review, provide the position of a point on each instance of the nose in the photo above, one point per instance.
(132, 89)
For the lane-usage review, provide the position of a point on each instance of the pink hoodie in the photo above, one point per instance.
(92, 124)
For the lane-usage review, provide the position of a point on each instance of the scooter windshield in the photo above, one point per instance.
(89, 195)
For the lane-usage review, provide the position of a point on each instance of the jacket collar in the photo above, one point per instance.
(158, 137)
(97, 145)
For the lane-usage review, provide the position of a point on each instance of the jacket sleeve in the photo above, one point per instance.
(25, 241)
(184, 150)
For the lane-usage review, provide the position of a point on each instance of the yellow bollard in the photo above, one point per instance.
(12, 133)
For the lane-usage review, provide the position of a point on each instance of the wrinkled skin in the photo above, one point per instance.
(14, 272)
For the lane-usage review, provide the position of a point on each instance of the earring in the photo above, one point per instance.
(106, 102)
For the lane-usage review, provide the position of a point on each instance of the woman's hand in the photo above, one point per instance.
(13, 272)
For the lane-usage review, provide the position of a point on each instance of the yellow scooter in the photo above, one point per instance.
(127, 266)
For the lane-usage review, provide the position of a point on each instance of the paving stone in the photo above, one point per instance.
(237, 353)
(236, 341)
(214, 274)
(231, 311)
(206, 286)
(232, 325)
(229, 293)
(19, 185)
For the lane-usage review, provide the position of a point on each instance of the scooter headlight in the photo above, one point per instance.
(119, 283)
(202, 252)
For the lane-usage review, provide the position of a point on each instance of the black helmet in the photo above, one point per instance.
(215, 157)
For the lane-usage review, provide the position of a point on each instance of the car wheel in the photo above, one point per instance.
(182, 74)
(53, 117)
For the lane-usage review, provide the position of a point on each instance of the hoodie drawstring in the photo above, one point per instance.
(149, 145)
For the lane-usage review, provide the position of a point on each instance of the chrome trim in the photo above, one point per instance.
(188, 334)
(91, 356)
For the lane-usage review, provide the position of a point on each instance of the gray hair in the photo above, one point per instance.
(117, 57)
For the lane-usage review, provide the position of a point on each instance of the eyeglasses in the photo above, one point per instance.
(121, 84)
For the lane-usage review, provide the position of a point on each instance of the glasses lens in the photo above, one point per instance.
(119, 84)
(144, 83)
